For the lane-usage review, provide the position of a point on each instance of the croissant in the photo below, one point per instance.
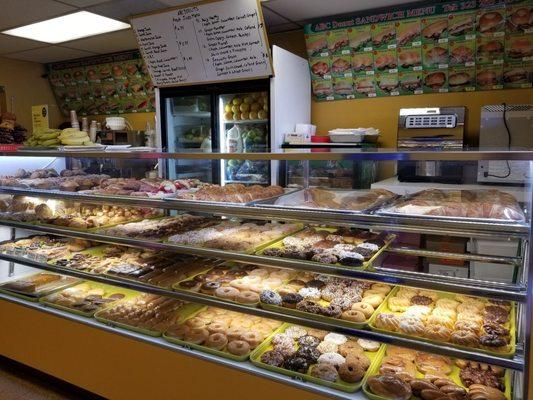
(390, 387)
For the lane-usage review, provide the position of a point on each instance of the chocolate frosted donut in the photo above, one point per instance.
(297, 364)
(309, 306)
(308, 341)
(270, 297)
(332, 311)
(316, 283)
(291, 299)
(273, 357)
(209, 287)
(310, 353)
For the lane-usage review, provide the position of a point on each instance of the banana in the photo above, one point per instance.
(49, 142)
(73, 142)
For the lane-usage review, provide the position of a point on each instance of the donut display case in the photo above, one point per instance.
(305, 287)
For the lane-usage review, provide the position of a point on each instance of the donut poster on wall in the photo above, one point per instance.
(455, 46)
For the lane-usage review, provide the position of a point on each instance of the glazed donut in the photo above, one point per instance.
(242, 322)
(369, 345)
(351, 372)
(252, 338)
(249, 279)
(372, 292)
(272, 283)
(240, 284)
(217, 327)
(465, 338)
(365, 308)
(398, 304)
(196, 322)
(247, 297)
(216, 341)
(331, 358)
(287, 289)
(280, 274)
(226, 292)
(262, 272)
(389, 322)
(238, 347)
(374, 300)
(353, 316)
(235, 333)
(196, 335)
(326, 372)
(178, 331)
(381, 287)
(327, 347)
(351, 346)
(336, 338)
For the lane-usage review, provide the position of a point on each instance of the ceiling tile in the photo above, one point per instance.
(123, 9)
(301, 10)
(106, 43)
(21, 12)
(84, 3)
(271, 18)
(49, 54)
(11, 44)
(283, 27)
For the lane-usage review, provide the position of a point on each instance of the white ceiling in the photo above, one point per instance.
(280, 16)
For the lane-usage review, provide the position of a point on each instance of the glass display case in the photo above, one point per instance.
(432, 283)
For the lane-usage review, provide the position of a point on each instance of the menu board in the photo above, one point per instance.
(214, 41)
(111, 84)
(443, 47)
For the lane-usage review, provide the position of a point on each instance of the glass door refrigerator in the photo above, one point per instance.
(234, 117)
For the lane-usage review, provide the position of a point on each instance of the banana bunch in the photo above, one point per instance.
(74, 137)
(43, 137)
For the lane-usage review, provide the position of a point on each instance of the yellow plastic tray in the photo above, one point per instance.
(454, 376)
(321, 318)
(220, 353)
(69, 281)
(278, 244)
(94, 251)
(184, 312)
(384, 308)
(255, 358)
(94, 285)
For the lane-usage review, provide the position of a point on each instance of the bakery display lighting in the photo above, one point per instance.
(68, 27)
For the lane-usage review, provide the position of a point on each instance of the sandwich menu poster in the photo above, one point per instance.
(449, 46)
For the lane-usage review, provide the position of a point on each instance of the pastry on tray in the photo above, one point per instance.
(234, 236)
(480, 204)
(232, 193)
(346, 246)
(461, 320)
(333, 297)
(38, 284)
(44, 246)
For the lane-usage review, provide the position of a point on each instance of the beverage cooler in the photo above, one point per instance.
(234, 117)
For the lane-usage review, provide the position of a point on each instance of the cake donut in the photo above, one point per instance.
(326, 372)
(216, 341)
(238, 347)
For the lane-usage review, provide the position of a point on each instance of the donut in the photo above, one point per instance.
(209, 287)
(374, 300)
(290, 300)
(178, 331)
(371, 292)
(310, 293)
(248, 280)
(327, 347)
(280, 274)
(326, 372)
(297, 364)
(247, 297)
(353, 316)
(287, 289)
(242, 322)
(365, 308)
(196, 322)
(465, 338)
(272, 283)
(351, 346)
(262, 272)
(369, 345)
(252, 338)
(331, 358)
(226, 292)
(217, 327)
(316, 283)
(318, 333)
(351, 372)
(344, 302)
(281, 338)
(309, 306)
(295, 332)
(310, 353)
(398, 304)
(241, 284)
(308, 340)
(235, 333)
(270, 297)
(331, 311)
(189, 285)
(381, 287)
(273, 357)
(336, 338)
(216, 341)
(196, 335)
(238, 347)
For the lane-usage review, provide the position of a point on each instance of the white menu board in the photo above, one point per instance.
(207, 42)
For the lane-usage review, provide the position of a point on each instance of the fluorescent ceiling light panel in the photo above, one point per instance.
(68, 27)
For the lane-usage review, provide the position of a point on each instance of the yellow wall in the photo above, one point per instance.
(23, 80)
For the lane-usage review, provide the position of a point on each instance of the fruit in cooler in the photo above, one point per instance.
(238, 107)
(244, 107)
(262, 114)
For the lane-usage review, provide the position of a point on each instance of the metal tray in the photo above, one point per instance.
(255, 358)
(220, 203)
(454, 376)
(220, 353)
(384, 308)
(184, 313)
(321, 318)
(298, 197)
(108, 288)
(366, 264)
(67, 282)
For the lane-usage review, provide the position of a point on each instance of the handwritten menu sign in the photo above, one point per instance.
(216, 41)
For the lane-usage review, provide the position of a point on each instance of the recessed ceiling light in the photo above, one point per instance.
(68, 27)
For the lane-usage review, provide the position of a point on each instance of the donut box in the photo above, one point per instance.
(330, 290)
(422, 368)
(180, 311)
(34, 286)
(279, 248)
(223, 333)
(236, 283)
(258, 357)
(87, 298)
(465, 322)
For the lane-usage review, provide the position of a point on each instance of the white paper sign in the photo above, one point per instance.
(217, 41)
